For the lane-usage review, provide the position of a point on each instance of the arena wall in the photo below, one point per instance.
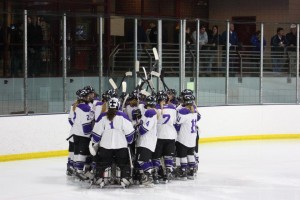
(25, 137)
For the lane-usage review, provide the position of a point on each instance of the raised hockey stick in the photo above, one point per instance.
(162, 78)
(127, 74)
(112, 83)
(144, 92)
(148, 81)
(156, 57)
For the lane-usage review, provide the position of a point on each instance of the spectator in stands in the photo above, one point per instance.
(35, 39)
(256, 40)
(233, 43)
(233, 37)
(212, 47)
(188, 37)
(278, 44)
(176, 33)
(291, 37)
(153, 34)
(203, 38)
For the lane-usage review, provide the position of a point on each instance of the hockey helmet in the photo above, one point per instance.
(113, 103)
(83, 94)
(150, 101)
(171, 92)
(89, 88)
(112, 93)
(78, 93)
(186, 92)
(133, 95)
(188, 99)
(162, 96)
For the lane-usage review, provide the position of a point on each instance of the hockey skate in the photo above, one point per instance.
(167, 176)
(155, 176)
(190, 174)
(180, 174)
(84, 175)
(125, 182)
(70, 171)
(147, 179)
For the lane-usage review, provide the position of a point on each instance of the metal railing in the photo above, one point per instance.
(221, 64)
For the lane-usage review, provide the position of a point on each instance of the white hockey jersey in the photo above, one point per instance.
(83, 117)
(186, 123)
(147, 137)
(114, 134)
(166, 122)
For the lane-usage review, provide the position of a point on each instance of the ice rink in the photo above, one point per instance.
(248, 170)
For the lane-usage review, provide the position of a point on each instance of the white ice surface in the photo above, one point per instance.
(254, 170)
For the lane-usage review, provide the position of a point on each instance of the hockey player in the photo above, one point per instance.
(147, 139)
(166, 134)
(70, 164)
(81, 130)
(185, 145)
(112, 132)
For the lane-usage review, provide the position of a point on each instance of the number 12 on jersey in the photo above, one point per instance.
(193, 130)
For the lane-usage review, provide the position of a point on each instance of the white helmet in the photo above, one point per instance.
(113, 103)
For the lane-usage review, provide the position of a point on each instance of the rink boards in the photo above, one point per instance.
(39, 136)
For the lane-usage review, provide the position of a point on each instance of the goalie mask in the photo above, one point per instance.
(113, 103)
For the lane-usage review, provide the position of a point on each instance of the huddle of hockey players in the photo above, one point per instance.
(135, 139)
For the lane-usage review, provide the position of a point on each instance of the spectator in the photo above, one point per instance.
(255, 41)
(233, 37)
(176, 33)
(291, 37)
(278, 44)
(188, 37)
(153, 34)
(35, 39)
(233, 42)
(212, 47)
(203, 39)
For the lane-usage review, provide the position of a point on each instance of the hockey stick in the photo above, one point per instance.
(124, 101)
(149, 82)
(112, 83)
(130, 160)
(125, 75)
(144, 92)
(162, 78)
(123, 97)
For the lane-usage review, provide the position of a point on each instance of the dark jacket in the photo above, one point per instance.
(275, 43)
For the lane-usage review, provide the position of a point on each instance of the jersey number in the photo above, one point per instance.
(167, 116)
(193, 126)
